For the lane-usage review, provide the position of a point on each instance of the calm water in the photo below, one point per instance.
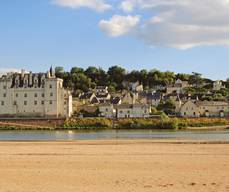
(112, 134)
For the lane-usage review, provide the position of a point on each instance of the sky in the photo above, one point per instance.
(183, 36)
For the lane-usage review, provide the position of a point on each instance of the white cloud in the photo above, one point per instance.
(98, 5)
(181, 23)
(119, 25)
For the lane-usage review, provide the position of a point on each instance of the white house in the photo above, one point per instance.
(107, 110)
(34, 95)
(133, 111)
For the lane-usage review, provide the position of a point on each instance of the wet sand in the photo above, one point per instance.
(111, 166)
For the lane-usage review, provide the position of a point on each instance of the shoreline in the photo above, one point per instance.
(116, 142)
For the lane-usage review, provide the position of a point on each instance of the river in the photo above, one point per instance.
(112, 134)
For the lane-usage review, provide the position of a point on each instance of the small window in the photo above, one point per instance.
(35, 102)
(25, 102)
(42, 95)
(50, 86)
(50, 102)
(65, 103)
(15, 102)
(51, 94)
(2, 103)
(35, 95)
(25, 95)
(42, 102)
(4, 87)
(16, 95)
(4, 95)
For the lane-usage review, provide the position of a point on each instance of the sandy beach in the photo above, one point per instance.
(126, 166)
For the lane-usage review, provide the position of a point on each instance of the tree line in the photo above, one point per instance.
(79, 79)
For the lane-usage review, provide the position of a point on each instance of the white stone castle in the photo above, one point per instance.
(34, 95)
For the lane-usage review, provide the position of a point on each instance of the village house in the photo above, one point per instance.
(103, 97)
(218, 85)
(101, 89)
(136, 87)
(88, 98)
(34, 95)
(151, 98)
(116, 100)
(204, 109)
(133, 111)
(129, 98)
(178, 87)
(107, 110)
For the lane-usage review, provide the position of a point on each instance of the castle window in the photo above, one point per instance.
(15, 102)
(35, 102)
(50, 86)
(25, 95)
(42, 102)
(25, 102)
(51, 94)
(50, 102)
(35, 95)
(2, 103)
(42, 95)
(16, 95)
(4, 95)
(4, 87)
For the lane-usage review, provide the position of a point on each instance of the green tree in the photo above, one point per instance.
(117, 75)
(167, 107)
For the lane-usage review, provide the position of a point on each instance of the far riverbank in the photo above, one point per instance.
(116, 124)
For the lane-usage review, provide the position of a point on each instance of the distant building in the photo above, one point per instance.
(34, 95)
(101, 89)
(133, 111)
(128, 98)
(218, 85)
(178, 87)
(107, 110)
(103, 97)
(205, 109)
(153, 98)
(88, 98)
(136, 87)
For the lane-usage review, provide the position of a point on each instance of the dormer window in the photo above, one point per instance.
(17, 83)
(43, 83)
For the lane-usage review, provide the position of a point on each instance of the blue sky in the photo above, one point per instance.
(37, 34)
